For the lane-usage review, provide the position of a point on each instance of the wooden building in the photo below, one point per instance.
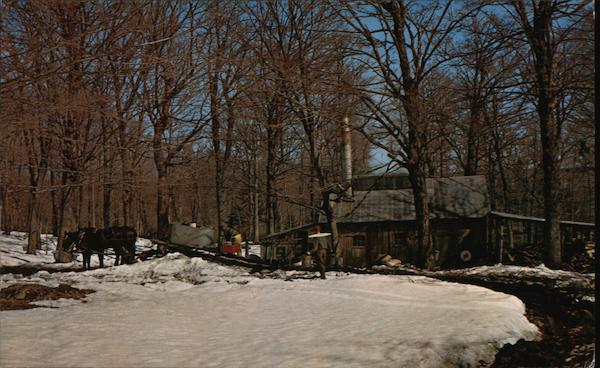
(508, 232)
(380, 220)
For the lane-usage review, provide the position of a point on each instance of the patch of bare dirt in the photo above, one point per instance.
(580, 260)
(20, 296)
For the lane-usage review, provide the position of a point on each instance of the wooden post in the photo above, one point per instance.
(511, 241)
(499, 240)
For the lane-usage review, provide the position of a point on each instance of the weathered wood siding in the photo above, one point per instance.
(483, 238)
(398, 240)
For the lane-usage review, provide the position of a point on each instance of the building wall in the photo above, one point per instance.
(509, 235)
(363, 244)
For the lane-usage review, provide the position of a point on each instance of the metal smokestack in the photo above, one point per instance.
(347, 155)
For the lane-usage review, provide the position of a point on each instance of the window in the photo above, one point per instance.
(359, 241)
(398, 240)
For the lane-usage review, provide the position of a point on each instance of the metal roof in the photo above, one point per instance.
(454, 197)
(287, 231)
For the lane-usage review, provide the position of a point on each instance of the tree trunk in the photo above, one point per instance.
(255, 202)
(107, 191)
(332, 222)
(174, 214)
(91, 207)
(417, 158)
(256, 218)
(416, 151)
(195, 202)
(143, 216)
(472, 140)
(162, 205)
(79, 212)
(106, 205)
(127, 192)
(551, 199)
(312, 198)
(54, 201)
(550, 136)
(491, 178)
(419, 188)
(499, 162)
(273, 139)
(216, 142)
(540, 37)
(63, 196)
(162, 190)
(126, 203)
(4, 210)
(33, 240)
(218, 201)
(127, 181)
(35, 169)
(7, 222)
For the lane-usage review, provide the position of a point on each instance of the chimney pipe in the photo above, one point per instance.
(347, 155)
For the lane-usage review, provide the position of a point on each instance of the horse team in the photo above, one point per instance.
(91, 240)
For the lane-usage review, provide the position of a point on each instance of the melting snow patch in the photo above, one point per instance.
(561, 278)
(187, 312)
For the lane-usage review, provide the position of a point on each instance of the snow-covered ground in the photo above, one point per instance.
(13, 247)
(186, 312)
(13, 252)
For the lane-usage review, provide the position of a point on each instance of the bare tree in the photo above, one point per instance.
(226, 53)
(403, 44)
(546, 24)
(148, 112)
(170, 57)
(303, 54)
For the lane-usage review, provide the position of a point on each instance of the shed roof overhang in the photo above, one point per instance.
(288, 231)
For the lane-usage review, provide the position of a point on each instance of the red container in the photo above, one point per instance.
(231, 248)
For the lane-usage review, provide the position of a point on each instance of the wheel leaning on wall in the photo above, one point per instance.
(466, 256)
(471, 256)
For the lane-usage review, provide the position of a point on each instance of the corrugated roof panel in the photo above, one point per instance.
(461, 196)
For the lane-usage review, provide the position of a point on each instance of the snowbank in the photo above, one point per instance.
(559, 278)
(508, 270)
(181, 312)
(508, 274)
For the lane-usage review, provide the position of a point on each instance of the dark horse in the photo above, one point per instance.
(90, 240)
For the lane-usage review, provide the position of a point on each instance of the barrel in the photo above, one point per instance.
(306, 261)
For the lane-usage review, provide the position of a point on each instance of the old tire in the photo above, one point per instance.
(466, 256)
